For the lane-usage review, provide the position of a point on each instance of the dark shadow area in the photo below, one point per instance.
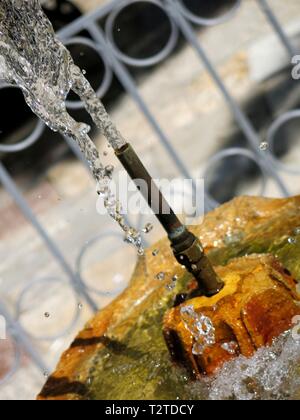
(227, 179)
(114, 346)
(209, 9)
(58, 387)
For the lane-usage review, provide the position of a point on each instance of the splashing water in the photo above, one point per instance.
(32, 58)
(200, 327)
(271, 374)
(161, 276)
(148, 228)
(264, 146)
(292, 241)
(231, 347)
(297, 231)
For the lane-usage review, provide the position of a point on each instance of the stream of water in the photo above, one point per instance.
(32, 58)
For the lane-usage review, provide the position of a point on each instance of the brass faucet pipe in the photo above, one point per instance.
(186, 246)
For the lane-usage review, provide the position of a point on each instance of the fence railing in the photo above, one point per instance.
(181, 20)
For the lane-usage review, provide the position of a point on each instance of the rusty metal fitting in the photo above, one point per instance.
(187, 247)
(190, 253)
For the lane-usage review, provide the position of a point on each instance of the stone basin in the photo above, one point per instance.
(122, 353)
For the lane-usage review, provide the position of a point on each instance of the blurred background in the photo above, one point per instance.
(157, 88)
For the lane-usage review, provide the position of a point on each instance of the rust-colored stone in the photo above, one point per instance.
(258, 225)
(256, 305)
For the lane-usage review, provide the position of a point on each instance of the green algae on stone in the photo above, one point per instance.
(139, 367)
(131, 360)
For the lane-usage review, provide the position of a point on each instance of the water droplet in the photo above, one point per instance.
(80, 305)
(105, 153)
(47, 315)
(292, 241)
(161, 276)
(109, 169)
(194, 267)
(264, 146)
(175, 278)
(170, 287)
(155, 252)
(148, 228)
(46, 374)
(84, 129)
(233, 237)
(200, 327)
(83, 71)
(297, 231)
(231, 347)
(102, 190)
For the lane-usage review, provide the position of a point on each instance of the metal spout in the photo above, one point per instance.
(186, 246)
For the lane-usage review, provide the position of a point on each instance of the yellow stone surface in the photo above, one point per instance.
(257, 304)
(117, 354)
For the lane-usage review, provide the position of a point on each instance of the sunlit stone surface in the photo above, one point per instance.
(257, 305)
(122, 352)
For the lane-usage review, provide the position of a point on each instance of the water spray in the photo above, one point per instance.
(45, 72)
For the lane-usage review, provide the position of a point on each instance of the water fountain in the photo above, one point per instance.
(32, 58)
(122, 351)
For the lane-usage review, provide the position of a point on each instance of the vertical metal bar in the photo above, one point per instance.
(22, 339)
(291, 49)
(13, 190)
(77, 152)
(241, 118)
(129, 85)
